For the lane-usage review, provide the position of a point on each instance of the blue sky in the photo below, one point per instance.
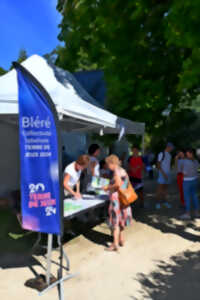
(28, 24)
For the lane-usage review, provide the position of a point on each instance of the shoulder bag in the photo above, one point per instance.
(127, 196)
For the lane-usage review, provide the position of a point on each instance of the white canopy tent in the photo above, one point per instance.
(67, 95)
(78, 112)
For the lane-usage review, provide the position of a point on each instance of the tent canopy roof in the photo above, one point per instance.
(79, 111)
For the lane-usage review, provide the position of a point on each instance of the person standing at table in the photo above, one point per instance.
(93, 168)
(118, 217)
(135, 169)
(94, 152)
(178, 162)
(72, 175)
(189, 168)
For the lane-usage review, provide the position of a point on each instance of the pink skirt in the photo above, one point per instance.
(118, 216)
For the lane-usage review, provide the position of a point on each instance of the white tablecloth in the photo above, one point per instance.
(74, 207)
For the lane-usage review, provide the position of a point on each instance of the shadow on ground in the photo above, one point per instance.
(16, 244)
(97, 237)
(167, 220)
(176, 280)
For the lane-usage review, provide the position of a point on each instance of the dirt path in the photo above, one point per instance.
(161, 260)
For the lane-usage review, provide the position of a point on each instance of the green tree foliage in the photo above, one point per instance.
(148, 49)
(2, 71)
(182, 128)
(183, 21)
(22, 56)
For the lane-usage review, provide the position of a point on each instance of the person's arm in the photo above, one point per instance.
(158, 164)
(142, 168)
(176, 162)
(182, 168)
(78, 188)
(68, 188)
(116, 184)
(160, 168)
(197, 165)
(163, 173)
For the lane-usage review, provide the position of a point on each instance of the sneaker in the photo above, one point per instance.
(167, 205)
(185, 217)
(158, 206)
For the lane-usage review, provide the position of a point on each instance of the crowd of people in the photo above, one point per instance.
(186, 166)
(78, 178)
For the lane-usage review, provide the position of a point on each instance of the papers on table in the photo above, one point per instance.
(72, 206)
(99, 182)
(97, 185)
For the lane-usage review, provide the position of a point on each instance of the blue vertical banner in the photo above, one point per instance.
(40, 156)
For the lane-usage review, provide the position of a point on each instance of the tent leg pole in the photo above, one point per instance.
(60, 271)
(49, 251)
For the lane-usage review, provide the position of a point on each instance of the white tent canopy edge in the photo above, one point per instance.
(67, 99)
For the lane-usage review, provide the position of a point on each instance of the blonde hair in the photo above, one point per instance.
(113, 159)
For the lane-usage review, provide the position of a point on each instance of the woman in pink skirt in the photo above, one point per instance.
(119, 217)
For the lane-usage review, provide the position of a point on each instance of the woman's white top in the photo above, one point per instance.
(97, 167)
(74, 174)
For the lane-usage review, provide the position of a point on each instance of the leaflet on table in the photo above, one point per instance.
(99, 182)
(76, 206)
(72, 206)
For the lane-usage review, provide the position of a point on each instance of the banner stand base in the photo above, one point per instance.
(58, 283)
(60, 277)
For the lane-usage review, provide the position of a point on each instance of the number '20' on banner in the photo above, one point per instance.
(40, 159)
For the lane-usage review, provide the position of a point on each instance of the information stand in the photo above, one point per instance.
(39, 137)
(40, 154)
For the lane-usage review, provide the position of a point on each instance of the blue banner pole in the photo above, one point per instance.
(42, 193)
